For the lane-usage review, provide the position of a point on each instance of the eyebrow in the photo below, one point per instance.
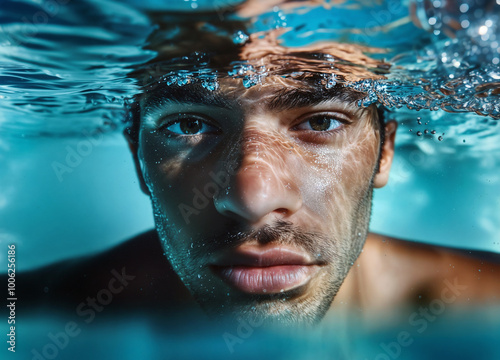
(286, 99)
(282, 100)
(187, 94)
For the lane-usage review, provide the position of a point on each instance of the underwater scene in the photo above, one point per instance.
(211, 179)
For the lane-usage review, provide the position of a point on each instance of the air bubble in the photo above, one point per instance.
(240, 37)
(331, 81)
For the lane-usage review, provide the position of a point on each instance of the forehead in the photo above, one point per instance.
(273, 94)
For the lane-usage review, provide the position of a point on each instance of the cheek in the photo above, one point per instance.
(340, 175)
(169, 177)
(360, 162)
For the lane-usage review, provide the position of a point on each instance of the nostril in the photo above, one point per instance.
(282, 211)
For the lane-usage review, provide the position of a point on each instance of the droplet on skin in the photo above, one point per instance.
(440, 138)
(419, 133)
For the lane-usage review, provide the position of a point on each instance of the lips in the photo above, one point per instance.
(265, 271)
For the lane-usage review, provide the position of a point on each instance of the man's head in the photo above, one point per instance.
(261, 181)
(261, 196)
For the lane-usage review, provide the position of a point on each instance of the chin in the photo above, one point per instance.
(292, 308)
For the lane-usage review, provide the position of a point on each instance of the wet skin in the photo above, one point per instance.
(262, 198)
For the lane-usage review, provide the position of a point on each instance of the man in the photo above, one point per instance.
(262, 197)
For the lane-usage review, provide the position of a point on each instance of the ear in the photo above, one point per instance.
(387, 155)
(133, 148)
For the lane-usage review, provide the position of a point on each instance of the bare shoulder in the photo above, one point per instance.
(433, 268)
(137, 267)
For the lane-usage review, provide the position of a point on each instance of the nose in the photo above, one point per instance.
(262, 185)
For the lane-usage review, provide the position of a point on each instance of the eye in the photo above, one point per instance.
(190, 125)
(323, 122)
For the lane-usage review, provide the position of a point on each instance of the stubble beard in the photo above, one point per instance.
(288, 308)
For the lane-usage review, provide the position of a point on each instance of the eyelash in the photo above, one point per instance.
(203, 119)
(207, 122)
(326, 133)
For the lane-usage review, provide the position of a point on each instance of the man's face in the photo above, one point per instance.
(261, 196)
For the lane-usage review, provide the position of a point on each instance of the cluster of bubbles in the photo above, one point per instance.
(426, 131)
(206, 77)
(251, 75)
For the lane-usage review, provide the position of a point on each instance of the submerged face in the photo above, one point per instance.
(261, 196)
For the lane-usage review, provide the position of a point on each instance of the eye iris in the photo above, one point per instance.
(320, 123)
(190, 126)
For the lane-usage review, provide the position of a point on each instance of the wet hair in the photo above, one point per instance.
(381, 111)
(133, 122)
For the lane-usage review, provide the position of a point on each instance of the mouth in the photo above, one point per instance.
(265, 271)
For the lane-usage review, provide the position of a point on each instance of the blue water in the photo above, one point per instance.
(467, 337)
(64, 78)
